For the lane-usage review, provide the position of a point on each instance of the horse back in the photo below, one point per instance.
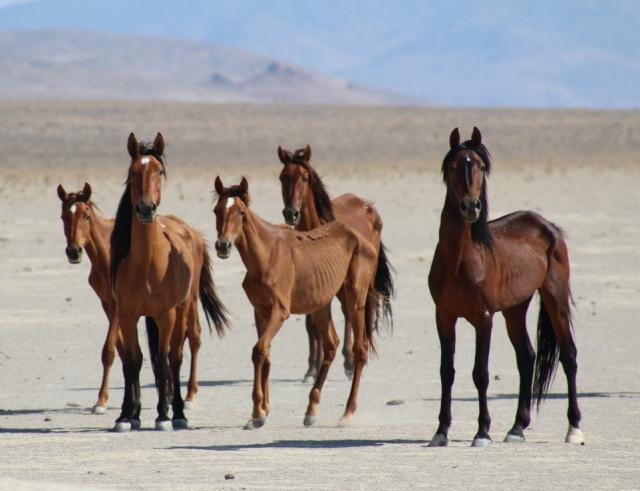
(360, 215)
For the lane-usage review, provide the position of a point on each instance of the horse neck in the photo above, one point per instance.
(145, 237)
(309, 217)
(98, 247)
(454, 235)
(254, 242)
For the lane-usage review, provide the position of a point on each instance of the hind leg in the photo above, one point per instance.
(322, 320)
(315, 350)
(179, 420)
(516, 320)
(112, 343)
(347, 345)
(194, 332)
(560, 316)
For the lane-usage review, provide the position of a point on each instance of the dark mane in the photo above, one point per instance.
(236, 192)
(480, 232)
(121, 235)
(320, 196)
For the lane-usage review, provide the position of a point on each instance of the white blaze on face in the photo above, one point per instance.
(73, 208)
(230, 203)
(145, 160)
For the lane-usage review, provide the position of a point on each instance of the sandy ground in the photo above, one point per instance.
(52, 329)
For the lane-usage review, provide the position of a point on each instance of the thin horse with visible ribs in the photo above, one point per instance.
(307, 206)
(85, 228)
(481, 267)
(291, 272)
(159, 267)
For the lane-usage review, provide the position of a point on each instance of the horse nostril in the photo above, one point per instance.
(477, 205)
(154, 207)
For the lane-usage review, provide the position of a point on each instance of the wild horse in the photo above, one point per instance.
(159, 266)
(306, 206)
(481, 267)
(86, 229)
(291, 272)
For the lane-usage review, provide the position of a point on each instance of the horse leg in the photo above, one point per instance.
(516, 320)
(112, 342)
(481, 381)
(322, 320)
(356, 301)
(267, 327)
(132, 362)
(194, 331)
(183, 319)
(557, 306)
(165, 322)
(315, 353)
(446, 325)
(347, 346)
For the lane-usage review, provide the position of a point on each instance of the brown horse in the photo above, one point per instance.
(159, 266)
(290, 272)
(85, 228)
(482, 267)
(307, 206)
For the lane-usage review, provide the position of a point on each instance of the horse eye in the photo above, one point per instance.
(162, 173)
(305, 178)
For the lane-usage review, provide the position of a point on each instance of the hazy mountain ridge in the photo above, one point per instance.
(90, 65)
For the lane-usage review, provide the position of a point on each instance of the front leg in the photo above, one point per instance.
(130, 414)
(112, 341)
(481, 381)
(446, 325)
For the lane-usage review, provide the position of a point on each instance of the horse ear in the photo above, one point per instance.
(86, 192)
(307, 153)
(244, 185)
(219, 187)
(476, 137)
(62, 194)
(283, 155)
(132, 146)
(158, 144)
(454, 138)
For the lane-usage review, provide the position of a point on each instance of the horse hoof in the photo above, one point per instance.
(189, 405)
(349, 372)
(255, 423)
(164, 425)
(309, 420)
(344, 421)
(135, 424)
(439, 440)
(574, 436)
(308, 379)
(481, 442)
(180, 424)
(514, 438)
(122, 427)
(99, 409)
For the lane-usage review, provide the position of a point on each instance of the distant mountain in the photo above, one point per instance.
(89, 65)
(567, 53)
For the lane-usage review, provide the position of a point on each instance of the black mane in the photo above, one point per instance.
(321, 198)
(121, 235)
(480, 232)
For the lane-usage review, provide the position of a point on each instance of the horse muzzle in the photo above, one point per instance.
(146, 212)
(223, 247)
(74, 254)
(291, 216)
(470, 209)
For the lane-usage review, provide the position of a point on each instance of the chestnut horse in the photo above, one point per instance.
(159, 266)
(307, 206)
(290, 272)
(481, 267)
(85, 228)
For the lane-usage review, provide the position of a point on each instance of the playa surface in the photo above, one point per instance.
(578, 169)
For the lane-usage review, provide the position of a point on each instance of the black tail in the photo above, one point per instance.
(546, 357)
(213, 308)
(383, 284)
(371, 310)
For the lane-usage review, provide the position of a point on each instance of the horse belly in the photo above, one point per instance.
(314, 288)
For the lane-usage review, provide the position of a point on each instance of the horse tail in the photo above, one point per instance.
(214, 310)
(383, 284)
(371, 317)
(153, 337)
(546, 357)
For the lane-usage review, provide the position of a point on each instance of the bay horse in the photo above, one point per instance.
(86, 229)
(481, 267)
(292, 272)
(306, 206)
(159, 266)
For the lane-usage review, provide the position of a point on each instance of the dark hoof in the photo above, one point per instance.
(439, 440)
